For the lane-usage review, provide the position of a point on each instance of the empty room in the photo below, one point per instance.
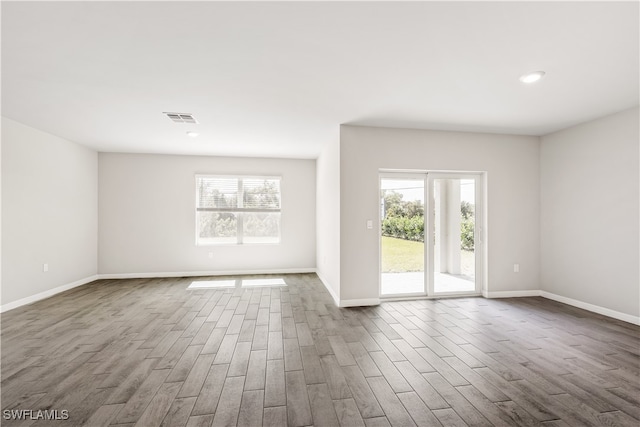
(320, 213)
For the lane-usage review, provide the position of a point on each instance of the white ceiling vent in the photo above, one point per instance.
(181, 117)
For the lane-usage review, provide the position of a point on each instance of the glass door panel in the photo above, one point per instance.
(402, 228)
(453, 236)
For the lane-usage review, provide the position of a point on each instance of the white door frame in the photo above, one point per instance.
(401, 175)
(429, 227)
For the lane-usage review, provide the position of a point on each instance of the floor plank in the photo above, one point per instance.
(275, 416)
(159, 405)
(256, 371)
(322, 409)
(197, 376)
(417, 409)
(348, 413)
(365, 399)
(298, 408)
(211, 390)
(251, 408)
(335, 378)
(178, 414)
(393, 408)
(141, 398)
(275, 384)
(231, 397)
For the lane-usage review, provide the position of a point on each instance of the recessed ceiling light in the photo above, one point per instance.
(532, 77)
(192, 134)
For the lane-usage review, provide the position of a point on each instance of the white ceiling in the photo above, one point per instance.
(277, 79)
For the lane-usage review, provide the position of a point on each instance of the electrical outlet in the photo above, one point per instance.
(369, 224)
(210, 255)
(45, 267)
(516, 268)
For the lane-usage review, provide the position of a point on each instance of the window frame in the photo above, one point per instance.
(239, 211)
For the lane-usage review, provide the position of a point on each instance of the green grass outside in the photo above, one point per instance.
(400, 256)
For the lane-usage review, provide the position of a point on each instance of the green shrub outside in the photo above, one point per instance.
(405, 220)
(404, 228)
(413, 229)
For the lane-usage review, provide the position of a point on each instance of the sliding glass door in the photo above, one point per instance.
(402, 224)
(430, 234)
(453, 217)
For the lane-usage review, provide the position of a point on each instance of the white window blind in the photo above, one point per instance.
(237, 209)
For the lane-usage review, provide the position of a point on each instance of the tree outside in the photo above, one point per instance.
(405, 219)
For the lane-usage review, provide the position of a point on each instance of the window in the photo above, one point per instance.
(237, 209)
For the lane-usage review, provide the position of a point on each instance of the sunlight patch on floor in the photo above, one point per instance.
(236, 283)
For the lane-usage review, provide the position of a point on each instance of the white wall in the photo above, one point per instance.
(49, 211)
(147, 215)
(590, 212)
(513, 199)
(328, 217)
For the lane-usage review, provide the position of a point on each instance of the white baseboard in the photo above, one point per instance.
(592, 307)
(345, 303)
(66, 287)
(569, 301)
(47, 294)
(327, 285)
(204, 273)
(511, 294)
(359, 302)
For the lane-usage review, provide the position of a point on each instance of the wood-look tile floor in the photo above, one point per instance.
(149, 352)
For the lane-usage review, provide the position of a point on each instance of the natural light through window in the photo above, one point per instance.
(237, 209)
